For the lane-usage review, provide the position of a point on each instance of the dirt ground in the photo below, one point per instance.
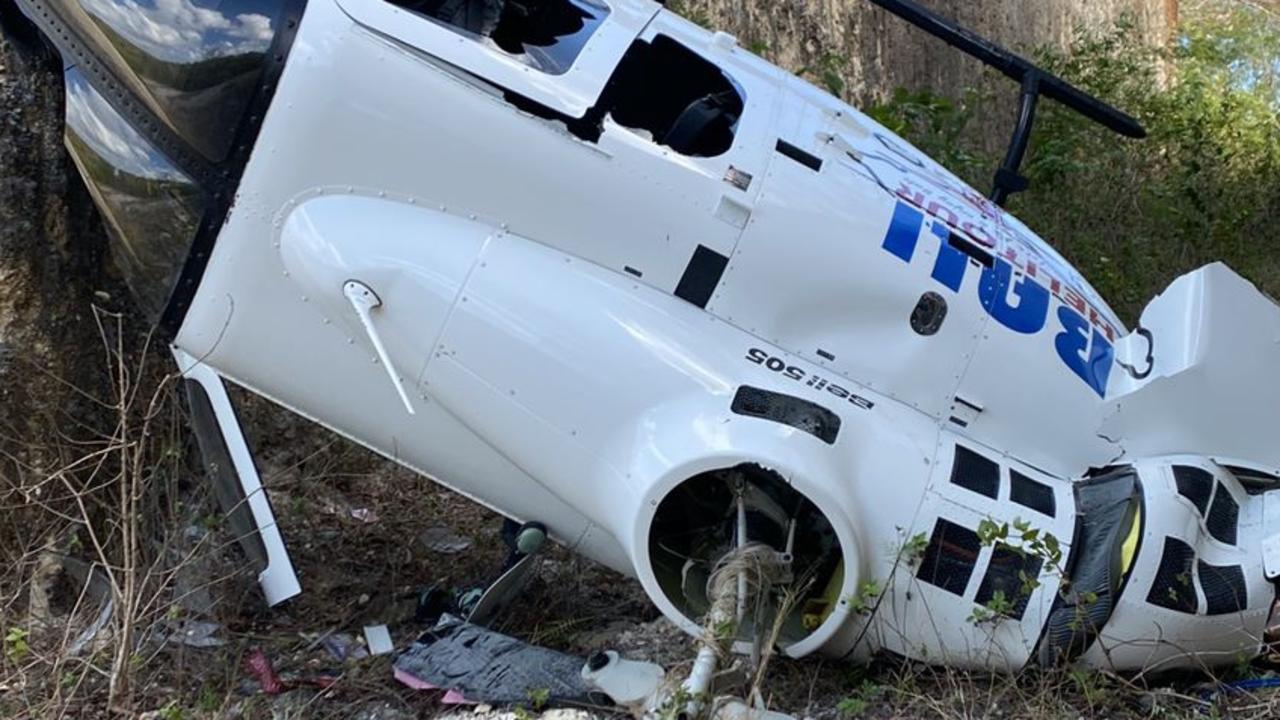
(355, 524)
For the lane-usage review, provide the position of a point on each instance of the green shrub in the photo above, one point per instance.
(1133, 215)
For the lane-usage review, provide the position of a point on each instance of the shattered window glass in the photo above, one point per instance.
(544, 34)
(151, 209)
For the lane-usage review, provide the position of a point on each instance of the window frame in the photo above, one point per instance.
(572, 92)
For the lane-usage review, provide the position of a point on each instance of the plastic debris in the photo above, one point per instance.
(633, 685)
(365, 515)
(84, 639)
(480, 665)
(194, 633)
(442, 540)
(378, 638)
(343, 647)
(260, 667)
(273, 683)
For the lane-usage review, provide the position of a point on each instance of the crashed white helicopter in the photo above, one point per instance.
(600, 269)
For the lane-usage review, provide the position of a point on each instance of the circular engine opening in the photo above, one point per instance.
(696, 530)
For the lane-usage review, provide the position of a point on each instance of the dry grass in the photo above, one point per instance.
(123, 517)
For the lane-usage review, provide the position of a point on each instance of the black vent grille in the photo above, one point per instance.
(1195, 485)
(787, 410)
(1223, 516)
(1029, 493)
(1224, 588)
(974, 472)
(1005, 574)
(1174, 587)
(950, 557)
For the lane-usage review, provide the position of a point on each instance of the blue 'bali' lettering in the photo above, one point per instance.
(904, 232)
(951, 263)
(1090, 361)
(1083, 348)
(1031, 312)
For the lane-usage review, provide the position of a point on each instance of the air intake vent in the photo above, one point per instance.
(974, 472)
(949, 559)
(1173, 587)
(1255, 482)
(1224, 588)
(1032, 494)
(1195, 485)
(787, 410)
(1223, 517)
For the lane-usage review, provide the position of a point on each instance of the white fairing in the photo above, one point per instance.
(542, 299)
(278, 581)
(1214, 349)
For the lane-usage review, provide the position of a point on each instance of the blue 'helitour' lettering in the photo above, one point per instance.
(1082, 348)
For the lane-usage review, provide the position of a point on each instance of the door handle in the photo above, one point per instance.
(364, 300)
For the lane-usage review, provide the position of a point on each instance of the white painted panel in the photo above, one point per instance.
(415, 260)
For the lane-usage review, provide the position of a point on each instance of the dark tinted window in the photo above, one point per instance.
(199, 60)
(151, 209)
(1010, 574)
(950, 557)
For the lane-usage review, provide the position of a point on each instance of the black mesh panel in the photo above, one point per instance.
(1032, 494)
(1173, 587)
(1223, 516)
(1224, 588)
(1194, 484)
(974, 472)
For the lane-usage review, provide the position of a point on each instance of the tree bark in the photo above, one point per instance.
(873, 52)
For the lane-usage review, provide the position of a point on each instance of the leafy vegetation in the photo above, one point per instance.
(1133, 215)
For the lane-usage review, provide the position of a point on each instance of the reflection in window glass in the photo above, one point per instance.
(199, 59)
(152, 210)
(544, 34)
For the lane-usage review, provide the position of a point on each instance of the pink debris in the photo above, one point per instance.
(260, 667)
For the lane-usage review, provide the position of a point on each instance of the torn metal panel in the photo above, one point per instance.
(1214, 348)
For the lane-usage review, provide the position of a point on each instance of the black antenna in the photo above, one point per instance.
(1034, 80)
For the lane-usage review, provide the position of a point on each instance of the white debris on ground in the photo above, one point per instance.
(485, 712)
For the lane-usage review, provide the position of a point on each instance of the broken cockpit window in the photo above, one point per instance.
(545, 34)
(679, 98)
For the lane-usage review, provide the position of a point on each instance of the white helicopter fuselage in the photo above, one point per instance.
(428, 255)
